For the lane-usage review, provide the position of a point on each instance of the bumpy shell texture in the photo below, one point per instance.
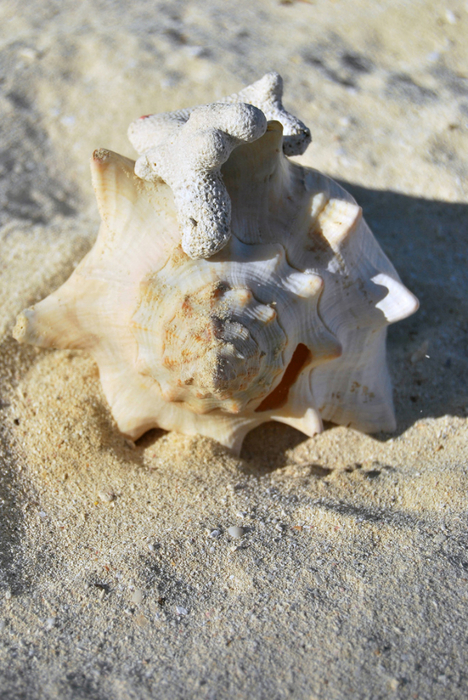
(228, 286)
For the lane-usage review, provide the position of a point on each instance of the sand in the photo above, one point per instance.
(119, 578)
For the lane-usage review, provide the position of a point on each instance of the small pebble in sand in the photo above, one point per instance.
(236, 532)
(8, 595)
(279, 527)
(29, 53)
(450, 16)
(181, 611)
(214, 534)
(439, 539)
(50, 623)
(137, 597)
(106, 495)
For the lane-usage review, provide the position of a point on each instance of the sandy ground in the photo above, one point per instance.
(351, 580)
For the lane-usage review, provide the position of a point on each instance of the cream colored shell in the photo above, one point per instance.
(286, 320)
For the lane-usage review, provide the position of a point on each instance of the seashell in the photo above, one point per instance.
(228, 285)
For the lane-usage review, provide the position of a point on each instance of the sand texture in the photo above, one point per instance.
(119, 577)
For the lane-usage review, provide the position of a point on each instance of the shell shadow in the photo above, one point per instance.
(266, 447)
(149, 439)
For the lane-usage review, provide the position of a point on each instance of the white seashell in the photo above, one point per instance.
(228, 286)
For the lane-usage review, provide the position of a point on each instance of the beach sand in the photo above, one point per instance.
(118, 576)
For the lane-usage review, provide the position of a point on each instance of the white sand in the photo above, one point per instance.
(351, 580)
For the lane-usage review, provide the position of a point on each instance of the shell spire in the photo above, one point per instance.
(228, 286)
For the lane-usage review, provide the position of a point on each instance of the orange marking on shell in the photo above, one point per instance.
(279, 396)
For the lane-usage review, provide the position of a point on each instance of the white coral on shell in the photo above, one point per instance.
(228, 286)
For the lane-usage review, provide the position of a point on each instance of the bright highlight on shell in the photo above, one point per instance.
(228, 286)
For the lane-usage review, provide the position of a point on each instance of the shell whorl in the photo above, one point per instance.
(217, 334)
(208, 344)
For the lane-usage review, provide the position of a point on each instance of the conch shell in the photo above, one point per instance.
(228, 285)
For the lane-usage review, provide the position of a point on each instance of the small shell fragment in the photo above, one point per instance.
(137, 596)
(50, 623)
(236, 532)
(106, 495)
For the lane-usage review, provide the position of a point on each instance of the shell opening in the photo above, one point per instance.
(279, 396)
